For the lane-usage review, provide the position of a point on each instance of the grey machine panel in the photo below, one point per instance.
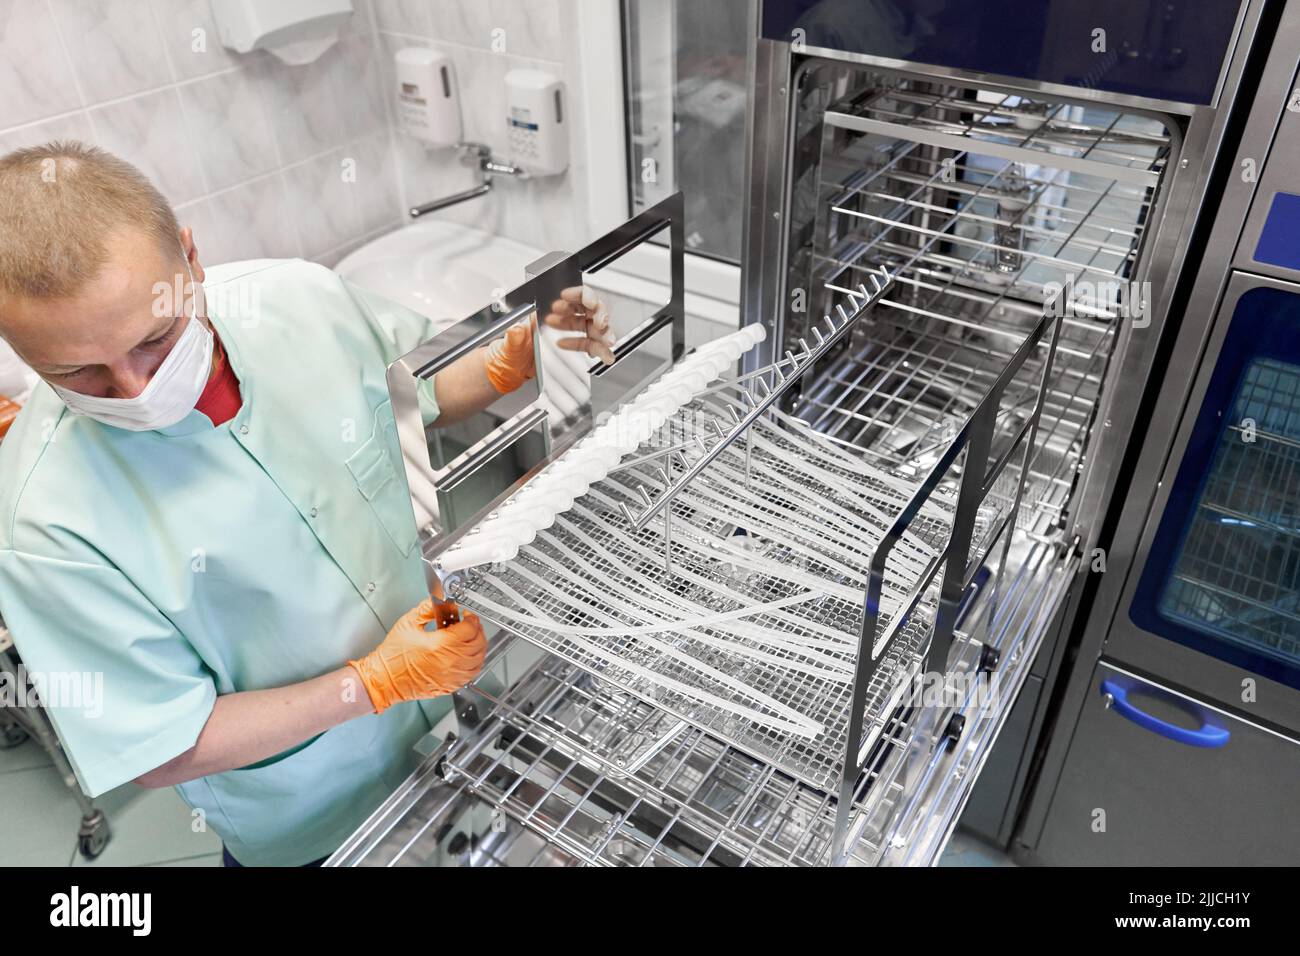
(1167, 801)
(1130, 643)
(1131, 797)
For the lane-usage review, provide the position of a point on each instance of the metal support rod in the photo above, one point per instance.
(668, 524)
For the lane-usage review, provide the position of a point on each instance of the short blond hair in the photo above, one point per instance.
(58, 203)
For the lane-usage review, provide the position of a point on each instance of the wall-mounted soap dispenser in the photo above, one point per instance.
(537, 122)
(428, 99)
(297, 31)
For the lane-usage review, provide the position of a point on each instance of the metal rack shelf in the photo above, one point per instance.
(903, 395)
(972, 277)
(528, 788)
(591, 544)
(957, 515)
(684, 799)
(691, 458)
(1011, 128)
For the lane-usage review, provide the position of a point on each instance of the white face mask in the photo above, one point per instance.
(172, 392)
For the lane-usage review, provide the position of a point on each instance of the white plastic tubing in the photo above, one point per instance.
(553, 492)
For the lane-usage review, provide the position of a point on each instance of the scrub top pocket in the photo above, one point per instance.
(381, 484)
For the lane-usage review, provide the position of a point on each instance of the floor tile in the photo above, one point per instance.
(149, 826)
(25, 756)
(40, 820)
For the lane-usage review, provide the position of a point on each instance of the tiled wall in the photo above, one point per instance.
(486, 39)
(262, 159)
(252, 152)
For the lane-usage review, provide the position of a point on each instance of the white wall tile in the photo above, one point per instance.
(325, 203)
(115, 47)
(379, 201)
(358, 87)
(149, 132)
(198, 215)
(403, 16)
(540, 213)
(248, 148)
(532, 27)
(190, 38)
(36, 79)
(467, 22)
(72, 126)
(230, 131)
(361, 23)
(255, 220)
(215, 130)
(302, 103)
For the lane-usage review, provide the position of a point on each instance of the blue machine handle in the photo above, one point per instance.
(1207, 735)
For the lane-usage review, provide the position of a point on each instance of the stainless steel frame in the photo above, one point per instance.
(978, 479)
(421, 364)
(783, 375)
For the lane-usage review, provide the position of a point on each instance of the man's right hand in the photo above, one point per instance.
(414, 664)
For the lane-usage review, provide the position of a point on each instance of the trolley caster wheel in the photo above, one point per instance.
(13, 736)
(94, 834)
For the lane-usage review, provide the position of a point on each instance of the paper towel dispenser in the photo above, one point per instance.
(297, 31)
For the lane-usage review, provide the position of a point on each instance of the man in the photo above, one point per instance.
(204, 503)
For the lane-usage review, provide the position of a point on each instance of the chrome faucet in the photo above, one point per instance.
(472, 154)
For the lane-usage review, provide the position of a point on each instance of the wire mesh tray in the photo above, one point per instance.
(679, 797)
(591, 550)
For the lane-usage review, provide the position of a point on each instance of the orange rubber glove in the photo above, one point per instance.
(415, 664)
(510, 358)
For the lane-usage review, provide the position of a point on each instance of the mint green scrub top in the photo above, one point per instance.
(194, 560)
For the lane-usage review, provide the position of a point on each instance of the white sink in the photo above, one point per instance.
(441, 269)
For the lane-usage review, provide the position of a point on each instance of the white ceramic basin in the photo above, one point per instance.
(441, 269)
